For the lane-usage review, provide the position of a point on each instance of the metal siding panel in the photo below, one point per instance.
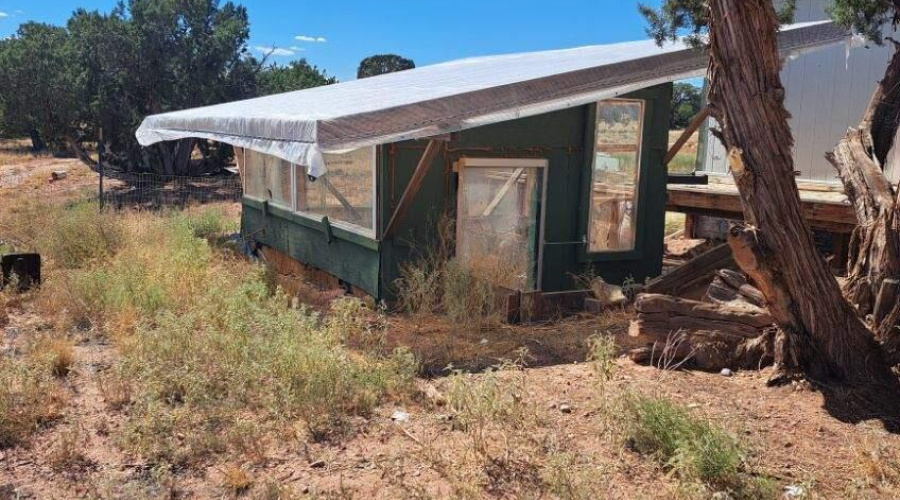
(822, 140)
(825, 93)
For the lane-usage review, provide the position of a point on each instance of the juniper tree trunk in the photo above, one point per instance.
(861, 157)
(821, 333)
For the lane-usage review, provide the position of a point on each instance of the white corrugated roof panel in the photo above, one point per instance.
(448, 97)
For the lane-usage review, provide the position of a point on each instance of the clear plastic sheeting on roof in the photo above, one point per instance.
(449, 97)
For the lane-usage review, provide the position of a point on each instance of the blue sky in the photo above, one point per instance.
(336, 34)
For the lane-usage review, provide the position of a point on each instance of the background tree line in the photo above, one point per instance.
(63, 84)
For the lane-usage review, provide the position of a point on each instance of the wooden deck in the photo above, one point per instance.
(825, 208)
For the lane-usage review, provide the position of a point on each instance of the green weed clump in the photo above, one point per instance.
(204, 339)
(694, 449)
(79, 234)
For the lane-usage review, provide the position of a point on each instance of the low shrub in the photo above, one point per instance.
(697, 451)
(205, 340)
(71, 237)
(29, 397)
(487, 401)
(53, 352)
(693, 448)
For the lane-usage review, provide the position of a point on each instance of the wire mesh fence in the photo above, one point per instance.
(154, 191)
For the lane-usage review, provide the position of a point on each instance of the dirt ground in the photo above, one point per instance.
(792, 437)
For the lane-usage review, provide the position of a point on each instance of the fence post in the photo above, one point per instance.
(100, 165)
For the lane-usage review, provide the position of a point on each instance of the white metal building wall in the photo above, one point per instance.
(827, 92)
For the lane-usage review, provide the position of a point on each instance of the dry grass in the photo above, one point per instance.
(53, 352)
(203, 337)
(436, 284)
(29, 398)
(686, 159)
(67, 453)
(235, 479)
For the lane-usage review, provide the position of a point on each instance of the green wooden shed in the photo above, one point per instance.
(547, 165)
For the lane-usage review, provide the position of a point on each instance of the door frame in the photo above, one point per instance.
(542, 164)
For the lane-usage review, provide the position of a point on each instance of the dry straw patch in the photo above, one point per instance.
(212, 357)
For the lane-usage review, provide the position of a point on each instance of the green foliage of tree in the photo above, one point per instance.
(687, 100)
(297, 75)
(867, 17)
(37, 78)
(152, 56)
(110, 70)
(690, 19)
(383, 63)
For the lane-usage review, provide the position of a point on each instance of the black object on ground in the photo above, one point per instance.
(23, 268)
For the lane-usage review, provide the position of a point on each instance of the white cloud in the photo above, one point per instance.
(3, 14)
(312, 39)
(275, 51)
(298, 49)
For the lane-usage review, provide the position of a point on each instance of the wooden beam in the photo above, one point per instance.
(693, 272)
(686, 135)
(415, 183)
(354, 214)
(503, 190)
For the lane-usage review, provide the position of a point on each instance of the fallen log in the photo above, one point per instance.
(649, 303)
(693, 272)
(709, 336)
(732, 288)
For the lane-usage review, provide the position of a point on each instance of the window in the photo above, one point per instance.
(615, 175)
(499, 216)
(345, 194)
(268, 178)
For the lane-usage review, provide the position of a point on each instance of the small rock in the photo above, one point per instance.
(726, 372)
(792, 491)
(565, 408)
(484, 341)
(693, 406)
(318, 464)
(399, 416)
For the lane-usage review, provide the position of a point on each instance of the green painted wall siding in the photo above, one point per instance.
(306, 241)
(564, 138)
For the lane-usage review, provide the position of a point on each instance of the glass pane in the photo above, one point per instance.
(268, 178)
(617, 159)
(346, 193)
(497, 224)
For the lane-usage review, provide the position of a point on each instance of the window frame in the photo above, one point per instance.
(347, 226)
(542, 164)
(636, 253)
(319, 219)
(244, 167)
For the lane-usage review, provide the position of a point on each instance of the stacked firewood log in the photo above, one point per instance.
(730, 328)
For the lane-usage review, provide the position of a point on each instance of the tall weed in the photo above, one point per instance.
(204, 340)
(29, 397)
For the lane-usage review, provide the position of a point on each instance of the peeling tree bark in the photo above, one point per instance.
(874, 262)
(823, 336)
